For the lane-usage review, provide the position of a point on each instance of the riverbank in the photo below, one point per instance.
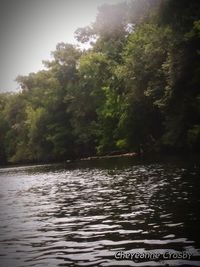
(144, 156)
(133, 154)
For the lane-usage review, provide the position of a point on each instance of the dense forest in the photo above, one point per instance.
(136, 88)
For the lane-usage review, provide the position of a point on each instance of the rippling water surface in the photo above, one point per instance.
(82, 215)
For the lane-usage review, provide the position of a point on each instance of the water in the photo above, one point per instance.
(91, 214)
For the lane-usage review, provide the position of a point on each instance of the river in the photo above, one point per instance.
(113, 212)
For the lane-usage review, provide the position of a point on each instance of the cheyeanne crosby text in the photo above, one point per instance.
(120, 255)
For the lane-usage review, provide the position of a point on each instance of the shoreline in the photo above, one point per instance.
(133, 154)
(187, 156)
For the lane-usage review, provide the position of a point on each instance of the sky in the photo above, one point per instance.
(30, 30)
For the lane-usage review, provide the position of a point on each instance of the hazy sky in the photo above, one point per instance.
(30, 30)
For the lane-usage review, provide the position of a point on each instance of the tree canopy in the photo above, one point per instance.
(136, 87)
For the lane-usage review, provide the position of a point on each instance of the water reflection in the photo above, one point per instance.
(78, 215)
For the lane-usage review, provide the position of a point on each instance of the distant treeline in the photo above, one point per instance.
(137, 88)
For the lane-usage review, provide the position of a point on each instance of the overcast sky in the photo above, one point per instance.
(30, 30)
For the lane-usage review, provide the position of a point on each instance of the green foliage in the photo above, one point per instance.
(135, 89)
(121, 144)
